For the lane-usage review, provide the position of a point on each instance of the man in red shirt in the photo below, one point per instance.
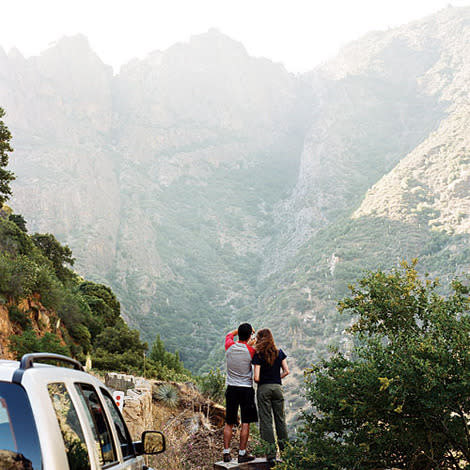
(240, 392)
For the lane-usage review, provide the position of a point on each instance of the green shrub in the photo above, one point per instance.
(49, 287)
(28, 342)
(212, 385)
(81, 334)
(13, 240)
(22, 278)
(102, 302)
(19, 221)
(51, 343)
(6, 268)
(17, 316)
(400, 397)
(160, 356)
(129, 362)
(162, 372)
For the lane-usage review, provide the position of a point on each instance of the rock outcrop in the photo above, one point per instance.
(193, 428)
(39, 319)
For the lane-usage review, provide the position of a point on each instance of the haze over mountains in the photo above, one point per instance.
(206, 186)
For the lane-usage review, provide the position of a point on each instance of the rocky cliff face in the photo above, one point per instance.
(376, 102)
(40, 319)
(208, 187)
(59, 109)
(431, 183)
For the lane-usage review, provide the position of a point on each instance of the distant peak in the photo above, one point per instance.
(216, 37)
(72, 49)
(79, 41)
(213, 33)
(15, 54)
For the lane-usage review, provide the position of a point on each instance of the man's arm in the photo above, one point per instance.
(229, 341)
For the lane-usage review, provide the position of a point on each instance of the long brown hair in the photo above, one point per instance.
(265, 346)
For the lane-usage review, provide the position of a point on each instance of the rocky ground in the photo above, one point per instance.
(193, 428)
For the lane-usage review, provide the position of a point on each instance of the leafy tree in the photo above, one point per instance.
(19, 221)
(103, 303)
(59, 255)
(13, 240)
(119, 348)
(401, 397)
(82, 335)
(160, 356)
(6, 176)
(18, 276)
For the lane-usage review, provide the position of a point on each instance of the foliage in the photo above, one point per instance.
(165, 365)
(49, 287)
(51, 343)
(6, 176)
(17, 316)
(165, 373)
(102, 302)
(18, 276)
(161, 357)
(119, 348)
(212, 385)
(14, 241)
(19, 221)
(167, 394)
(57, 254)
(29, 342)
(36, 265)
(82, 335)
(401, 397)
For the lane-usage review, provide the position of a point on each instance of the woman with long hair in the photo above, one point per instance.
(270, 368)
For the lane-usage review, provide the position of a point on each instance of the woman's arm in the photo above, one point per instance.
(257, 370)
(285, 368)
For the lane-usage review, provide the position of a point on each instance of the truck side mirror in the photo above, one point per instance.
(153, 442)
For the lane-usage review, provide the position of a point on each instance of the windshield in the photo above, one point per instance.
(19, 442)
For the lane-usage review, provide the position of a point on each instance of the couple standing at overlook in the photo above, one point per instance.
(270, 367)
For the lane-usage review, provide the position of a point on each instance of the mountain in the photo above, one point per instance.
(383, 176)
(207, 187)
(165, 183)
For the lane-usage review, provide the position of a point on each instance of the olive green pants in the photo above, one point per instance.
(271, 404)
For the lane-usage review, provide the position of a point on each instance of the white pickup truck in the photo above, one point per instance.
(62, 418)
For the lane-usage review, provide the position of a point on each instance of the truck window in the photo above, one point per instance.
(124, 438)
(69, 423)
(19, 441)
(98, 423)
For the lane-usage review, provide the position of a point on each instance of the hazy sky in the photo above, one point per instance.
(299, 33)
